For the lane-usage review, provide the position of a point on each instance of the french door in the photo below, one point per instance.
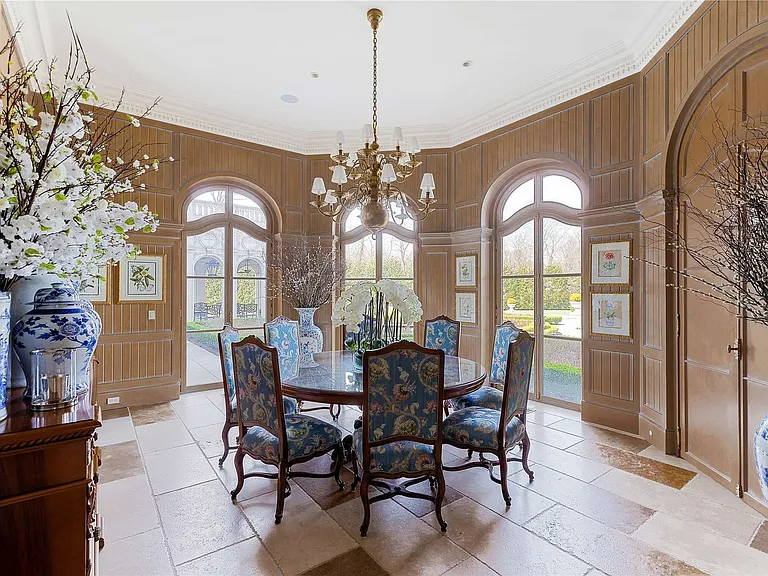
(540, 292)
(226, 281)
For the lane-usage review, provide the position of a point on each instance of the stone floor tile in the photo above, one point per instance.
(177, 468)
(143, 554)
(142, 415)
(503, 545)
(609, 550)
(115, 431)
(590, 500)
(541, 418)
(190, 399)
(471, 567)
(656, 454)
(325, 491)
(252, 487)
(246, 558)
(127, 494)
(760, 539)
(554, 410)
(209, 440)
(399, 541)
(420, 507)
(629, 462)
(552, 437)
(199, 520)
(705, 550)
(119, 461)
(162, 435)
(355, 561)
(705, 487)
(306, 537)
(582, 468)
(200, 415)
(476, 484)
(114, 413)
(597, 434)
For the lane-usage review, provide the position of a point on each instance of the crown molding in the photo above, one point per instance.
(592, 72)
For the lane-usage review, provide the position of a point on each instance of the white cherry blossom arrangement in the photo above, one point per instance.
(61, 170)
(375, 313)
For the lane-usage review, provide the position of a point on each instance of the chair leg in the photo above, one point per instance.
(469, 453)
(225, 441)
(502, 457)
(239, 456)
(366, 506)
(299, 404)
(446, 408)
(439, 499)
(526, 449)
(432, 482)
(339, 454)
(282, 479)
(355, 470)
(335, 415)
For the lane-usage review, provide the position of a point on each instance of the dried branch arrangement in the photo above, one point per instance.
(305, 273)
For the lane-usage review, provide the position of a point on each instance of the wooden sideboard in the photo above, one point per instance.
(49, 521)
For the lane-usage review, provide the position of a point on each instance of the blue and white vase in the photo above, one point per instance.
(761, 456)
(310, 337)
(5, 352)
(58, 319)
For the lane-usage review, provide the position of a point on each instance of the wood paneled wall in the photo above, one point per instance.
(614, 140)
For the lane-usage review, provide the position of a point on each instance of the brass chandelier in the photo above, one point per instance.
(369, 178)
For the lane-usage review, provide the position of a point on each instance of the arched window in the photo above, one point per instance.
(226, 240)
(391, 254)
(539, 240)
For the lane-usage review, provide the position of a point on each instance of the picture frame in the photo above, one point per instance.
(466, 271)
(610, 263)
(466, 307)
(96, 289)
(611, 315)
(142, 279)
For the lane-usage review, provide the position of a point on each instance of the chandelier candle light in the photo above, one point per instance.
(372, 176)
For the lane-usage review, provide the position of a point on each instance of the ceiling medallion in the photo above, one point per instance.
(372, 176)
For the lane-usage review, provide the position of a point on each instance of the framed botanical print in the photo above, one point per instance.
(611, 315)
(95, 288)
(142, 279)
(610, 262)
(466, 271)
(466, 307)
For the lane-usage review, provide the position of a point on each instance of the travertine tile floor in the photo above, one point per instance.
(601, 503)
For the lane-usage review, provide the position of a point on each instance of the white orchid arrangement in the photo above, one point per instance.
(375, 312)
(60, 172)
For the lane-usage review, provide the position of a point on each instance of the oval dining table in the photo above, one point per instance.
(334, 381)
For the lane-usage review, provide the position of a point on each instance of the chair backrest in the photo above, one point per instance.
(442, 333)
(227, 337)
(402, 396)
(259, 396)
(283, 334)
(505, 333)
(518, 378)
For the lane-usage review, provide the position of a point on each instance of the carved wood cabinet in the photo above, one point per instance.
(49, 519)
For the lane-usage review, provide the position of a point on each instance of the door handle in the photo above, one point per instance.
(735, 347)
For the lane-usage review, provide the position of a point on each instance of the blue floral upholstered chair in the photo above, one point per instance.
(401, 432)
(283, 334)
(227, 337)
(442, 333)
(489, 396)
(267, 433)
(497, 431)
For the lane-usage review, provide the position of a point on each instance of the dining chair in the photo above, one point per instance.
(227, 337)
(268, 434)
(490, 396)
(401, 432)
(283, 334)
(486, 430)
(442, 333)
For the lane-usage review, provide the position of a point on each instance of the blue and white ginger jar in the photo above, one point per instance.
(58, 319)
(761, 455)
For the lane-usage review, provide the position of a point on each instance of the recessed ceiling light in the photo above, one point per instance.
(314, 75)
(467, 63)
(289, 98)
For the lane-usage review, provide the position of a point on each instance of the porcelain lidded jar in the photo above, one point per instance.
(58, 319)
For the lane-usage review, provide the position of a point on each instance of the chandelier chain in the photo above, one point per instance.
(375, 119)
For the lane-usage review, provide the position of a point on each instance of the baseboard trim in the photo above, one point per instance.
(140, 396)
(663, 439)
(610, 417)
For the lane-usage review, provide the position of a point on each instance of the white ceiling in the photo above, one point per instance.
(222, 66)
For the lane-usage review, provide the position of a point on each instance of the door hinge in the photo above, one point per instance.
(677, 322)
(739, 491)
(679, 442)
